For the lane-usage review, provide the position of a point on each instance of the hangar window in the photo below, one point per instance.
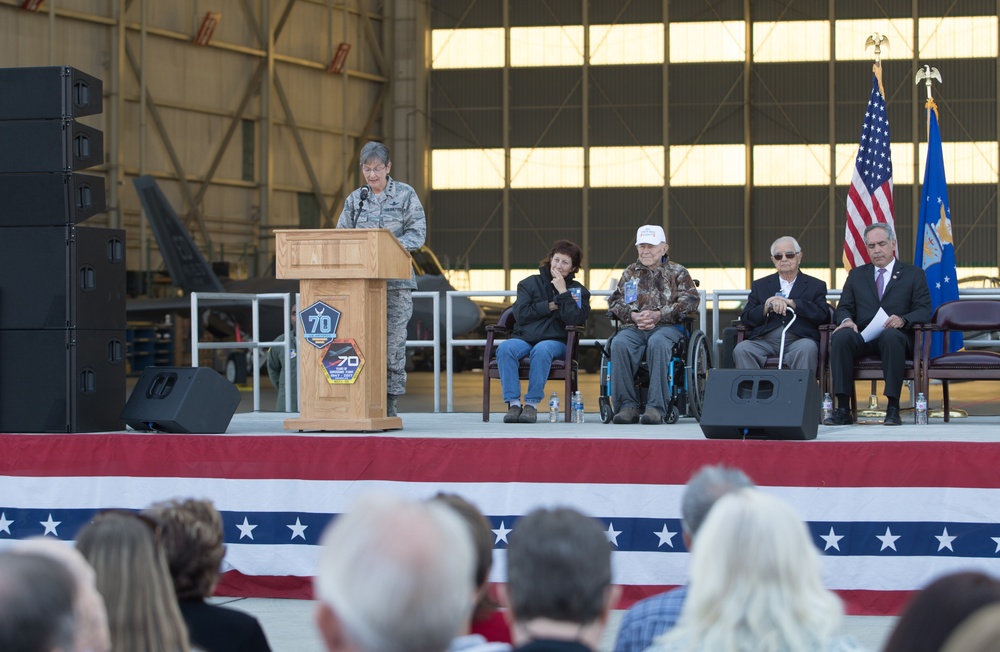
(626, 44)
(958, 37)
(851, 36)
(452, 169)
(467, 48)
(709, 41)
(791, 40)
(546, 46)
(707, 165)
(791, 165)
(546, 167)
(626, 166)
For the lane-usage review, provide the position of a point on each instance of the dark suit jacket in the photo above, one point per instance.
(218, 629)
(811, 309)
(906, 295)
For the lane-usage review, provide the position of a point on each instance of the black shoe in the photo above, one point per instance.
(512, 414)
(651, 417)
(892, 417)
(528, 414)
(840, 417)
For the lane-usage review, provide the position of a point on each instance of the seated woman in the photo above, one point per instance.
(546, 303)
(756, 584)
(123, 548)
(192, 541)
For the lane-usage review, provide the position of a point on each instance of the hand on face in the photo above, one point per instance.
(561, 266)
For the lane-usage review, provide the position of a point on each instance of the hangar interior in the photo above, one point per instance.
(729, 122)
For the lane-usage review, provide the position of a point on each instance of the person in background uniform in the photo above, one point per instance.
(546, 303)
(276, 363)
(384, 203)
(766, 313)
(652, 297)
(898, 289)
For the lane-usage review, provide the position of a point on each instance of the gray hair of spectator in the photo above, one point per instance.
(398, 574)
(374, 151)
(795, 244)
(880, 225)
(36, 604)
(193, 543)
(558, 567)
(88, 605)
(705, 487)
(756, 578)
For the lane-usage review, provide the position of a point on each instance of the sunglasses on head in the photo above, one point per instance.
(788, 254)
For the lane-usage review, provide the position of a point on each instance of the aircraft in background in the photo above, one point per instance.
(190, 272)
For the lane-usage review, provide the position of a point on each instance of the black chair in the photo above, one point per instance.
(565, 370)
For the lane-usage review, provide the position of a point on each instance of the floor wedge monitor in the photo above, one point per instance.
(761, 404)
(181, 400)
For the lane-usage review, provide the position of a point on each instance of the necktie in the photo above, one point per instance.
(880, 282)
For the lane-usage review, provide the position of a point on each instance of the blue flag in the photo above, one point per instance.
(935, 244)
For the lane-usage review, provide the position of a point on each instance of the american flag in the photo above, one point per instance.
(869, 199)
(888, 516)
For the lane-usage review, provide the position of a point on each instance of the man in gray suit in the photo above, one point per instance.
(898, 289)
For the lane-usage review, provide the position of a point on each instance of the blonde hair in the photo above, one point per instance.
(132, 575)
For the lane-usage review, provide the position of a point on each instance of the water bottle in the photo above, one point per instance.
(920, 414)
(579, 404)
(827, 406)
(554, 408)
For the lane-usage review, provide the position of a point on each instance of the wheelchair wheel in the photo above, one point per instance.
(673, 414)
(698, 364)
(607, 414)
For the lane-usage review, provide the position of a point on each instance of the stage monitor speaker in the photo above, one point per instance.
(51, 92)
(761, 404)
(76, 278)
(47, 199)
(49, 146)
(181, 400)
(61, 380)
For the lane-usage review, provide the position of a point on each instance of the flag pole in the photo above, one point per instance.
(875, 40)
(927, 75)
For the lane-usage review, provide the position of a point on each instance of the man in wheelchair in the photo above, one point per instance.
(651, 300)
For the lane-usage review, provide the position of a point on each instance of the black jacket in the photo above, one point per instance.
(809, 295)
(534, 321)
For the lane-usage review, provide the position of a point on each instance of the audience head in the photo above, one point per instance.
(567, 248)
(558, 569)
(36, 604)
(704, 488)
(132, 575)
(394, 576)
(935, 612)
(479, 530)
(88, 606)
(980, 632)
(192, 539)
(755, 576)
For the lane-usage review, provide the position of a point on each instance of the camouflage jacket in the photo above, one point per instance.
(396, 208)
(668, 289)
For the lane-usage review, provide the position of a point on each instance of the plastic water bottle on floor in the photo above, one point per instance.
(920, 414)
(579, 405)
(554, 408)
(827, 406)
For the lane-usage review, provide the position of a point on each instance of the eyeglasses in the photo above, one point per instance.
(379, 170)
(788, 254)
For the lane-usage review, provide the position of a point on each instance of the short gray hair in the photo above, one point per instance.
(376, 151)
(795, 243)
(880, 225)
(36, 603)
(705, 487)
(398, 574)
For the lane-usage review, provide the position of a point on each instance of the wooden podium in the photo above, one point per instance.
(343, 274)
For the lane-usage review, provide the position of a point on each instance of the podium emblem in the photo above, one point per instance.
(342, 362)
(319, 324)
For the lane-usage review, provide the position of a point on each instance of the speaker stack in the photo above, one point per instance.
(62, 296)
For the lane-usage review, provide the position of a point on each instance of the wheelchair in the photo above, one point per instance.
(687, 375)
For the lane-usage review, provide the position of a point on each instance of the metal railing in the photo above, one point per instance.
(434, 342)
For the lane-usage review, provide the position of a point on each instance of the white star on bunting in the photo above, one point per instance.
(298, 530)
(666, 536)
(612, 534)
(944, 541)
(246, 530)
(50, 526)
(5, 523)
(501, 533)
(888, 540)
(832, 539)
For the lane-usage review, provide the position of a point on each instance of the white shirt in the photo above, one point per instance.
(886, 276)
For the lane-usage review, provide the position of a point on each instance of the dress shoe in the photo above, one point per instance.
(528, 414)
(627, 415)
(840, 417)
(512, 414)
(651, 417)
(892, 417)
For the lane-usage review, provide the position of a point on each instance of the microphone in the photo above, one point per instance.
(364, 195)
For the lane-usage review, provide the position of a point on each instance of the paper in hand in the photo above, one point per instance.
(874, 329)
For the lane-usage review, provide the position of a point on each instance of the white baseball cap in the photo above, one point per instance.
(650, 234)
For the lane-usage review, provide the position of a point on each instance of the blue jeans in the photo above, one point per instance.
(541, 355)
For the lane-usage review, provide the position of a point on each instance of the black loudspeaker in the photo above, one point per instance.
(61, 380)
(49, 146)
(49, 199)
(752, 404)
(52, 92)
(181, 400)
(67, 277)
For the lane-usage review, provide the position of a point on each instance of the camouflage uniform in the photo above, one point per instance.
(668, 289)
(276, 372)
(398, 209)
